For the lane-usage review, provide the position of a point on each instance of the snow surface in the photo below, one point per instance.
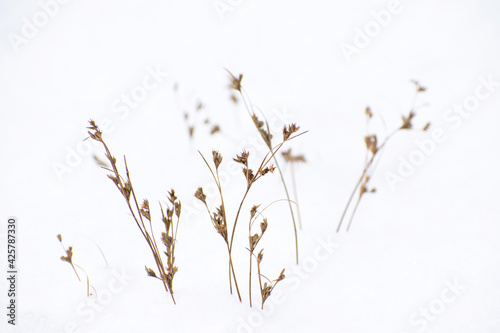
(409, 245)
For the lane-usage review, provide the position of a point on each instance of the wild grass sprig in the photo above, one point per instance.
(266, 135)
(373, 149)
(218, 218)
(142, 216)
(69, 259)
(266, 289)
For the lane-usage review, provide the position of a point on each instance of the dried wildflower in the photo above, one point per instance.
(257, 122)
(260, 256)
(407, 121)
(242, 158)
(236, 82)
(199, 106)
(289, 157)
(426, 127)
(69, 255)
(368, 112)
(177, 207)
(215, 129)
(234, 98)
(253, 241)
(217, 157)
(171, 196)
(371, 143)
(200, 195)
(253, 211)
(263, 226)
(97, 135)
(150, 272)
(191, 131)
(288, 131)
(145, 209)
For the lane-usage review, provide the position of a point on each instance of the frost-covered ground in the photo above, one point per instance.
(422, 253)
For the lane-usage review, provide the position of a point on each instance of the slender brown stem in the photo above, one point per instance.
(250, 110)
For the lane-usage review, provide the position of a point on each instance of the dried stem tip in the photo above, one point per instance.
(200, 195)
(289, 130)
(242, 158)
(217, 158)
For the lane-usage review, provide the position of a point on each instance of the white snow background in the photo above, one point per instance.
(422, 255)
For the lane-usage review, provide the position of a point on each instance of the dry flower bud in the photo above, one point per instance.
(200, 195)
(263, 226)
(242, 158)
(407, 121)
(253, 211)
(217, 157)
(368, 112)
(215, 129)
(288, 131)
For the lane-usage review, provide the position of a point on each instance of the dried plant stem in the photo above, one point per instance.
(248, 106)
(374, 150)
(229, 246)
(127, 190)
(363, 175)
(294, 185)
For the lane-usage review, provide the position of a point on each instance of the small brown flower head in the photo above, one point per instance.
(145, 209)
(364, 186)
(69, 255)
(97, 135)
(59, 237)
(267, 169)
(167, 240)
(191, 131)
(186, 116)
(260, 256)
(200, 195)
(266, 292)
(171, 196)
(290, 158)
(199, 106)
(258, 123)
(253, 211)
(288, 131)
(263, 226)
(266, 136)
(170, 213)
(249, 176)
(253, 241)
(234, 98)
(242, 158)
(217, 158)
(282, 276)
(177, 207)
(126, 190)
(150, 272)
(215, 129)
(206, 121)
(426, 127)
(407, 121)
(368, 112)
(371, 143)
(236, 82)
(219, 223)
